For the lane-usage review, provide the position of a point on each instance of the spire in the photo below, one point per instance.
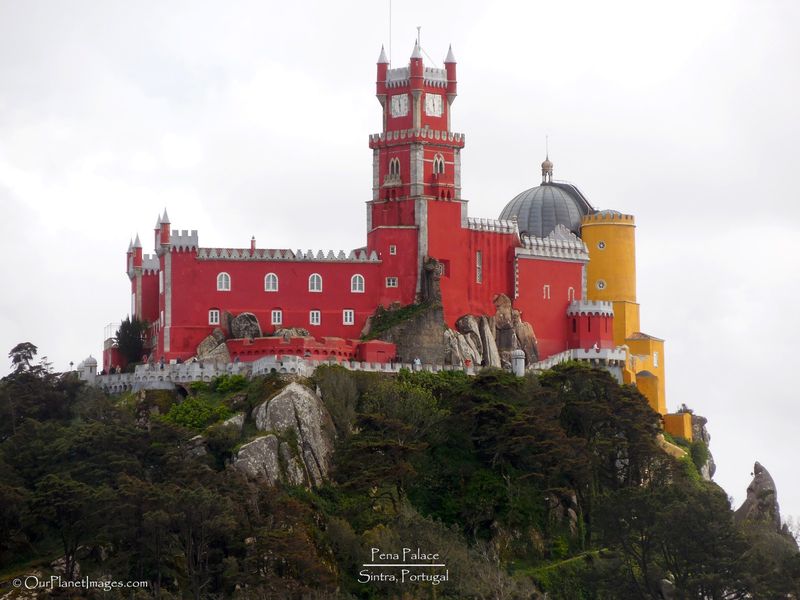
(137, 243)
(382, 58)
(451, 58)
(158, 222)
(165, 218)
(130, 245)
(417, 53)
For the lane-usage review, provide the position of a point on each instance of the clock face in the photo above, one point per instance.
(433, 105)
(400, 105)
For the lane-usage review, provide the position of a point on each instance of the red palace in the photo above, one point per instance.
(536, 255)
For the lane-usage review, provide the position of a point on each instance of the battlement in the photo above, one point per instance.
(435, 77)
(561, 243)
(605, 216)
(600, 308)
(265, 254)
(424, 134)
(150, 264)
(494, 225)
(184, 240)
(397, 77)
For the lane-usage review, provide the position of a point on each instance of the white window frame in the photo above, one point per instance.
(478, 267)
(394, 166)
(392, 282)
(392, 249)
(269, 280)
(348, 316)
(213, 316)
(546, 291)
(438, 164)
(223, 282)
(357, 284)
(276, 316)
(312, 283)
(314, 317)
(571, 294)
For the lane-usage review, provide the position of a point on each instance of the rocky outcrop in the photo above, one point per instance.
(699, 432)
(213, 348)
(511, 332)
(290, 332)
(491, 356)
(761, 504)
(216, 338)
(236, 421)
(460, 349)
(259, 459)
(245, 326)
(298, 410)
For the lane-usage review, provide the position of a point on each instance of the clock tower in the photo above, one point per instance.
(416, 161)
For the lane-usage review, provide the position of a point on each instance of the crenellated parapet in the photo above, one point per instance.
(600, 308)
(184, 240)
(492, 225)
(150, 264)
(425, 134)
(561, 243)
(266, 254)
(606, 216)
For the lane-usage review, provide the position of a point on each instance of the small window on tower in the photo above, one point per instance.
(161, 282)
(546, 292)
(213, 316)
(479, 267)
(655, 359)
(394, 167)
(571, 294)
(391, 282)
(438, 164)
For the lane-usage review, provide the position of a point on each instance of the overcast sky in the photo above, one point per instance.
(251, 118)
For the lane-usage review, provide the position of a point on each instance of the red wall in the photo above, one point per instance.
(584, 331)
(547, 315)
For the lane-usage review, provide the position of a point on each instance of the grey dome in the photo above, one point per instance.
(539, 209)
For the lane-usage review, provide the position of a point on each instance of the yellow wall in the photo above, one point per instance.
(626, 321)
(647, 354)
(611, 241)
(679, 425)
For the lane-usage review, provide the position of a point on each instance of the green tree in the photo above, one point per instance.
(131, 339)
(21, 356)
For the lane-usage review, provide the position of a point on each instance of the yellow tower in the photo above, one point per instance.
(611, 272)
(611, 276)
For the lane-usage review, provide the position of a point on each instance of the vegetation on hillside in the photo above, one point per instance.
(522, 485)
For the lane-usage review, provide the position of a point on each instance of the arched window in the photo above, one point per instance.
(394, 166)
(223, 282)
(357, 284)
(571, 294)
(438, 164)
(270, 282)
(315, 282)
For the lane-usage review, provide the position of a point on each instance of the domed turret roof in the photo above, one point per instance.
(539, 209)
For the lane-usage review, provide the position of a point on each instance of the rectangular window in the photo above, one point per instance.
(161, 282)
(479, 267)
(277, 317)
(213, 317)
(314, 317)
(392, 249)
(546, 292)
(348, 316)
(655, 359)
(391, 282)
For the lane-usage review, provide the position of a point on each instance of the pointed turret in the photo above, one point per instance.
(416, 70)
(130, 246)
(450, 67)
(380, 82)
(417, 52)
(137, 252)
(382, 60)
(164, 236)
